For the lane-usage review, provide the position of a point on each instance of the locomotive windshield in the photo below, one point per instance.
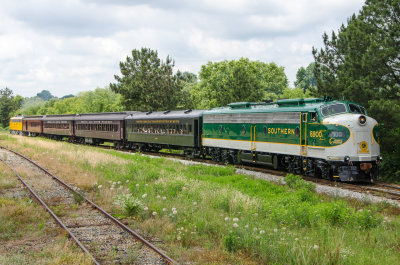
(333, 109)
(357, 109)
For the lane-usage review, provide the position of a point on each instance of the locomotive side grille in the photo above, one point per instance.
(282, 117)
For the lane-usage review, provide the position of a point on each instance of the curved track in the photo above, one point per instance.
(92, 234)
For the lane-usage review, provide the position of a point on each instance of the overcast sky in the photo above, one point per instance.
(71, 46)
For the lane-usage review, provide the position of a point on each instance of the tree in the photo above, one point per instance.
(67, 96)
(189, 80)
(305, 78)
(297, 92)
(8, 104)
(148, 83)
(361, 62)
(225, 82)
(45, 95)
(17, 102)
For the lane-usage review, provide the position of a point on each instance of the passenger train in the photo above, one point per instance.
(319, 137)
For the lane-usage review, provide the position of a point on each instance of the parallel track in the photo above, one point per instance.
(167, 259)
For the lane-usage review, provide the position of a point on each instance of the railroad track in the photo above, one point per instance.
(378, 189)
(102, 237)
(390, 189)
(390, 186)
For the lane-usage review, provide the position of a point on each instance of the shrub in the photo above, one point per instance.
(305, 195)
(78, 197)
(233, 242)
(296, 182)
(336, 212)
(365, 219)
(131, 205)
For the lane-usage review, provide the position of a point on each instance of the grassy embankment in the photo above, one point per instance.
(208, 214)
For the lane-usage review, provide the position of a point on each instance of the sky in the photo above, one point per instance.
(71, 46)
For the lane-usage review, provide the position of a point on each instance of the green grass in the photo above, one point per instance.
(275, 224)
(236, 219)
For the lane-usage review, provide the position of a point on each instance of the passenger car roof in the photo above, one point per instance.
(174, 114)
(33, 117)
(106, 116)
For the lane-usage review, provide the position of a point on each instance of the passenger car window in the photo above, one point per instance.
(333, 109)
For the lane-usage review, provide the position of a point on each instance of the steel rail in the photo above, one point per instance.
(124, 227)
(388, 186)
(58, 220)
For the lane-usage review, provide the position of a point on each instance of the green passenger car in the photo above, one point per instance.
(179, 130)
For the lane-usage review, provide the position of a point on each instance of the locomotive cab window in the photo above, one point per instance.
(313, 116)
(356, 109)
(333, 109)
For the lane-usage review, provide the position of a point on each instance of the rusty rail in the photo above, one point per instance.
(117, 222)
(58, 220)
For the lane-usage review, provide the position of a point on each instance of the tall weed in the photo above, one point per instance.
(130, 204)
(296, 182)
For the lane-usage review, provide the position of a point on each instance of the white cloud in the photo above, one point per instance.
(76, 45)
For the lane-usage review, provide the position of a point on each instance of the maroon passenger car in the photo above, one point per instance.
(97, 128)
(32, 125)
(59, 126)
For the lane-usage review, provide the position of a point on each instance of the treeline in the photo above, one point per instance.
(99, 100)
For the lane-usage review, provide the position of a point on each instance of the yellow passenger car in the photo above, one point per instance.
(16, 125)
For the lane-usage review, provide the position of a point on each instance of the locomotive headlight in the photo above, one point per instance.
(347, 159)
(362, 120)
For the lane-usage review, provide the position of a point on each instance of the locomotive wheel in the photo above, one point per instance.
(228, 159)
(215, 155)
(317, 172)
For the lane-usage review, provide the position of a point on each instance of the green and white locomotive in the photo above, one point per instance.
(320, 137)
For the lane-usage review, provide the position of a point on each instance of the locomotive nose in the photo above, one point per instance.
(363, 138)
